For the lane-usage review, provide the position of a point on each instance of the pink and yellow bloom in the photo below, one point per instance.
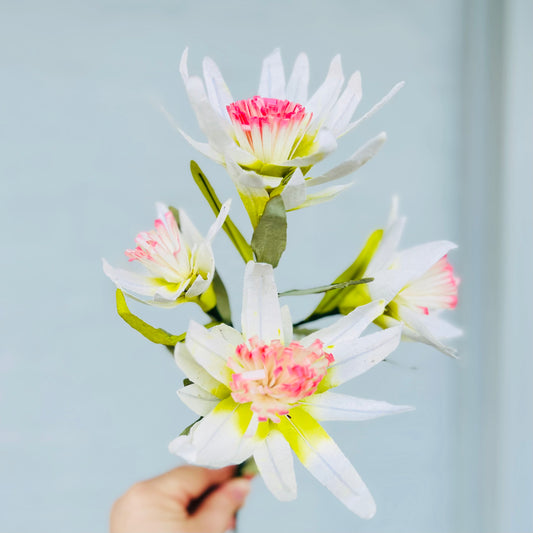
(279, 131)
(178, 260)
(417, 284)
(261, 393)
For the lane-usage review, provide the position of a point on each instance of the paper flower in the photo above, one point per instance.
(280, 131)
(178, 260)
(262, 394)
(416, 284)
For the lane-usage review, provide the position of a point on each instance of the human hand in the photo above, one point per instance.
(187, 499)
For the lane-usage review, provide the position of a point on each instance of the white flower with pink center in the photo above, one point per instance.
(417, 284)
(280, 130)
(260, 393)
(273, 377)
(178, 260)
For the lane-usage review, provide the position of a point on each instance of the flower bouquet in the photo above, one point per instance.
(261, 387)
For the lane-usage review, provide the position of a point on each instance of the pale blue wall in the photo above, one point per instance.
(87, 407)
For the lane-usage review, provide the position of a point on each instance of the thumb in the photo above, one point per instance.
(217, 512)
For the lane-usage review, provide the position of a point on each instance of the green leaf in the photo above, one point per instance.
(355, 271)
(156, 335)
(187, 382)
(175, 212)
(229, 227)
(325, 288)
(270, 235)
(222, 306)
(187, 430)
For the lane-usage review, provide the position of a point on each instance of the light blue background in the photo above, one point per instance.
(87, 407)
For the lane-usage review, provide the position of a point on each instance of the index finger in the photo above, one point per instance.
(191, 482)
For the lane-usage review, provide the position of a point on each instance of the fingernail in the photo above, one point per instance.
(239, 488)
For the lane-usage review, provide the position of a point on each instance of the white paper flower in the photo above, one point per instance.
(178, 259)
(416, 284)
(280, 130)
(262, 394)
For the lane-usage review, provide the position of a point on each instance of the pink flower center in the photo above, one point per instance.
(269, 128)
(274, 377)
(160, 250)
(436, 289)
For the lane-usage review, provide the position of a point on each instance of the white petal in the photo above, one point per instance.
(203, 148)
(217, 90)
(211, 348)
(299, 81)
(323, 196)
(221, 218)
(219, 438)
(322, 101)
(183, 65)
(273, 457)
(200, 284)
(322, 457)
(182, 446)
(440, 328)
(325, 143)
(198, 399)
(287, 325)
(272, 82)
(415, 328)
(196, 373)
(364, 353)
(333, 406)
(215, 128)
(130, 281)
(408, 266)
(347, 329)
(346, 105)
(374, 108)
(294, 193)
(261, 313)
(356, 161)
(389, 243)
(190, 235)
(419, 259)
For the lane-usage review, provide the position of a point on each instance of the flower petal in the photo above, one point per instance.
(183, 446)
(137, 284)
(385, 253)
(219, 438)
(408, 265)
(197, 374)
(217, 90)
(355, 359)
(322, 457)
(272, 81)
(273, 457)
(346, 105)
(322, 196)
(347, 329)
(325, 143)
(219, 222)
(261, 313)
(299, 80)
(211, 348)
(324, 98)
(416, 329)
(287, 325)
(334, 406)
(356, 161)
(198, 399)
(294, 193)
(374, 108)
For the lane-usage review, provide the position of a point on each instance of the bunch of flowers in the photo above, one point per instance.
(261, 390)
